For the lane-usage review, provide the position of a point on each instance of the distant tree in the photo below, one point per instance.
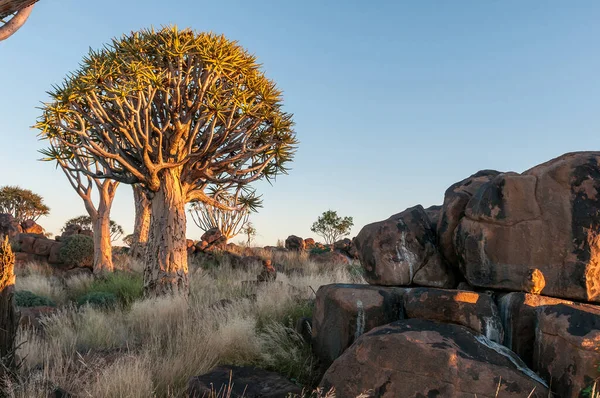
(229, 220)
(141, 225)
(250, 232)
(116, 231)
(176, 112)
(83, 173)
(13, 15)
(332, 227)
(22, 204)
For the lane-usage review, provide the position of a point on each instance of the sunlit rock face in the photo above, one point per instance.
(536, 232)
(402, 251)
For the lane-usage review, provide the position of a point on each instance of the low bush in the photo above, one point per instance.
(25, 298)
(78, 250)
(125, 286)
(98, 299)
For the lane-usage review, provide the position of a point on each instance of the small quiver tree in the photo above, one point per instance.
(176, 112)
(85, 222)
(22, 204)
(332, 227)
(9, 316)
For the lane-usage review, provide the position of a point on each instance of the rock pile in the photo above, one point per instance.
(495, 290)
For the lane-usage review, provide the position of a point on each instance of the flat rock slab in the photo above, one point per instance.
(247, 382)
(567, 348)
(419, 358)
(476, 311)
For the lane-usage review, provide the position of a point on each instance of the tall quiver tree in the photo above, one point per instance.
(177, 111)
(84, 172)
(9, 317)
(141, 225)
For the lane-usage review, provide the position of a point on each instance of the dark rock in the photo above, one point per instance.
(212, 235)
(294, 243)
(9, 226)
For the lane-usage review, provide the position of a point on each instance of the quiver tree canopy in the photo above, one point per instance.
(85, 222)
(170, 99)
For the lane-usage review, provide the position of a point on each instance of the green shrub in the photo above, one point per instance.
(25, 298)
(126, 287)
(98, 299)
(78, 250)
(320, 250)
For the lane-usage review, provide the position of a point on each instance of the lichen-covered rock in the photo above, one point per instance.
(420, 358)
(536, 232)
(246, 381)
(295, 243)
(518, 314)
(567, 348)
(402, 251)
(456, 198)
(343, 312)
(476, 311)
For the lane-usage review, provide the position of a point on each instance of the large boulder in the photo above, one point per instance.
(295, 243)
(212, 235)
(9, 226)
(433, 213)
(402, 251)
(538, 231)
(567, 348)
(343, 312)
(476, 311)
(518, 313)
(309, 243)
(247, 382)
(43, 246)
(421, 358)
(31, 227)
(456, 198)
(331, 258)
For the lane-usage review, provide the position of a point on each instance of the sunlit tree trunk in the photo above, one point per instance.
(166, 252)
(9, 317)
(101, 225)
(141, 227)
(16, 22)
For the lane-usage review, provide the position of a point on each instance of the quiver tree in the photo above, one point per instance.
(141, 226)
(332, 227)
(230, 220)
(22, 204)
(175, 112)
(9, 317)
(83, 172)
(86, 222)
(13, 15)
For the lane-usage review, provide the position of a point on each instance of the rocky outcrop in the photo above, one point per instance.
(331, 258)
(402, 251)
(31, 227)
(420, 358)
(37, 248)
(455, 201)
(536, 231)
(433, 213)
(309, 243)
(295, 243)
(343, 312)
(567, 348)
(476, 311)
(237, 382)
(9, 226)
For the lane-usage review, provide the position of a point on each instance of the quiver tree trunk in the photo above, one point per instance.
(166, 251)
(102, 244)
(9, 317)
(141, 227)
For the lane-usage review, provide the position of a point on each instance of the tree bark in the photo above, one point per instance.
(16, 22)
(9, 316)
(141, 226)
(102, 244)
(166, 253)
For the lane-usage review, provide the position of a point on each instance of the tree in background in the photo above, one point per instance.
(22, 204)
(13, 15)
(332, 227)
(230, 220)
(141, 225)
(84, 172)
(250, 233)
(116, 231)
(174, 111)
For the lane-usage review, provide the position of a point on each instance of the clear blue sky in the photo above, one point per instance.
(393, 100)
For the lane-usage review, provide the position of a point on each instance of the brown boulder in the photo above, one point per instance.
(476, 311)
(54, 256)
(71, 229)
(212, 235)
(455, 201)
(343, 312)
(9, 226)
(332, 258)
(294, 243)
(536, 231)
(309, 243)
(43, 246)
(26, 242)
(567, 348)
(31, 227)
(421, 358)
(189, 243)
(22, 258)
(247, 382)
(201, 245)
(518, 313)
(433, 213)
(401, 251)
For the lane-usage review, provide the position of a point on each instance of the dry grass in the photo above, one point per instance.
(152, 348)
